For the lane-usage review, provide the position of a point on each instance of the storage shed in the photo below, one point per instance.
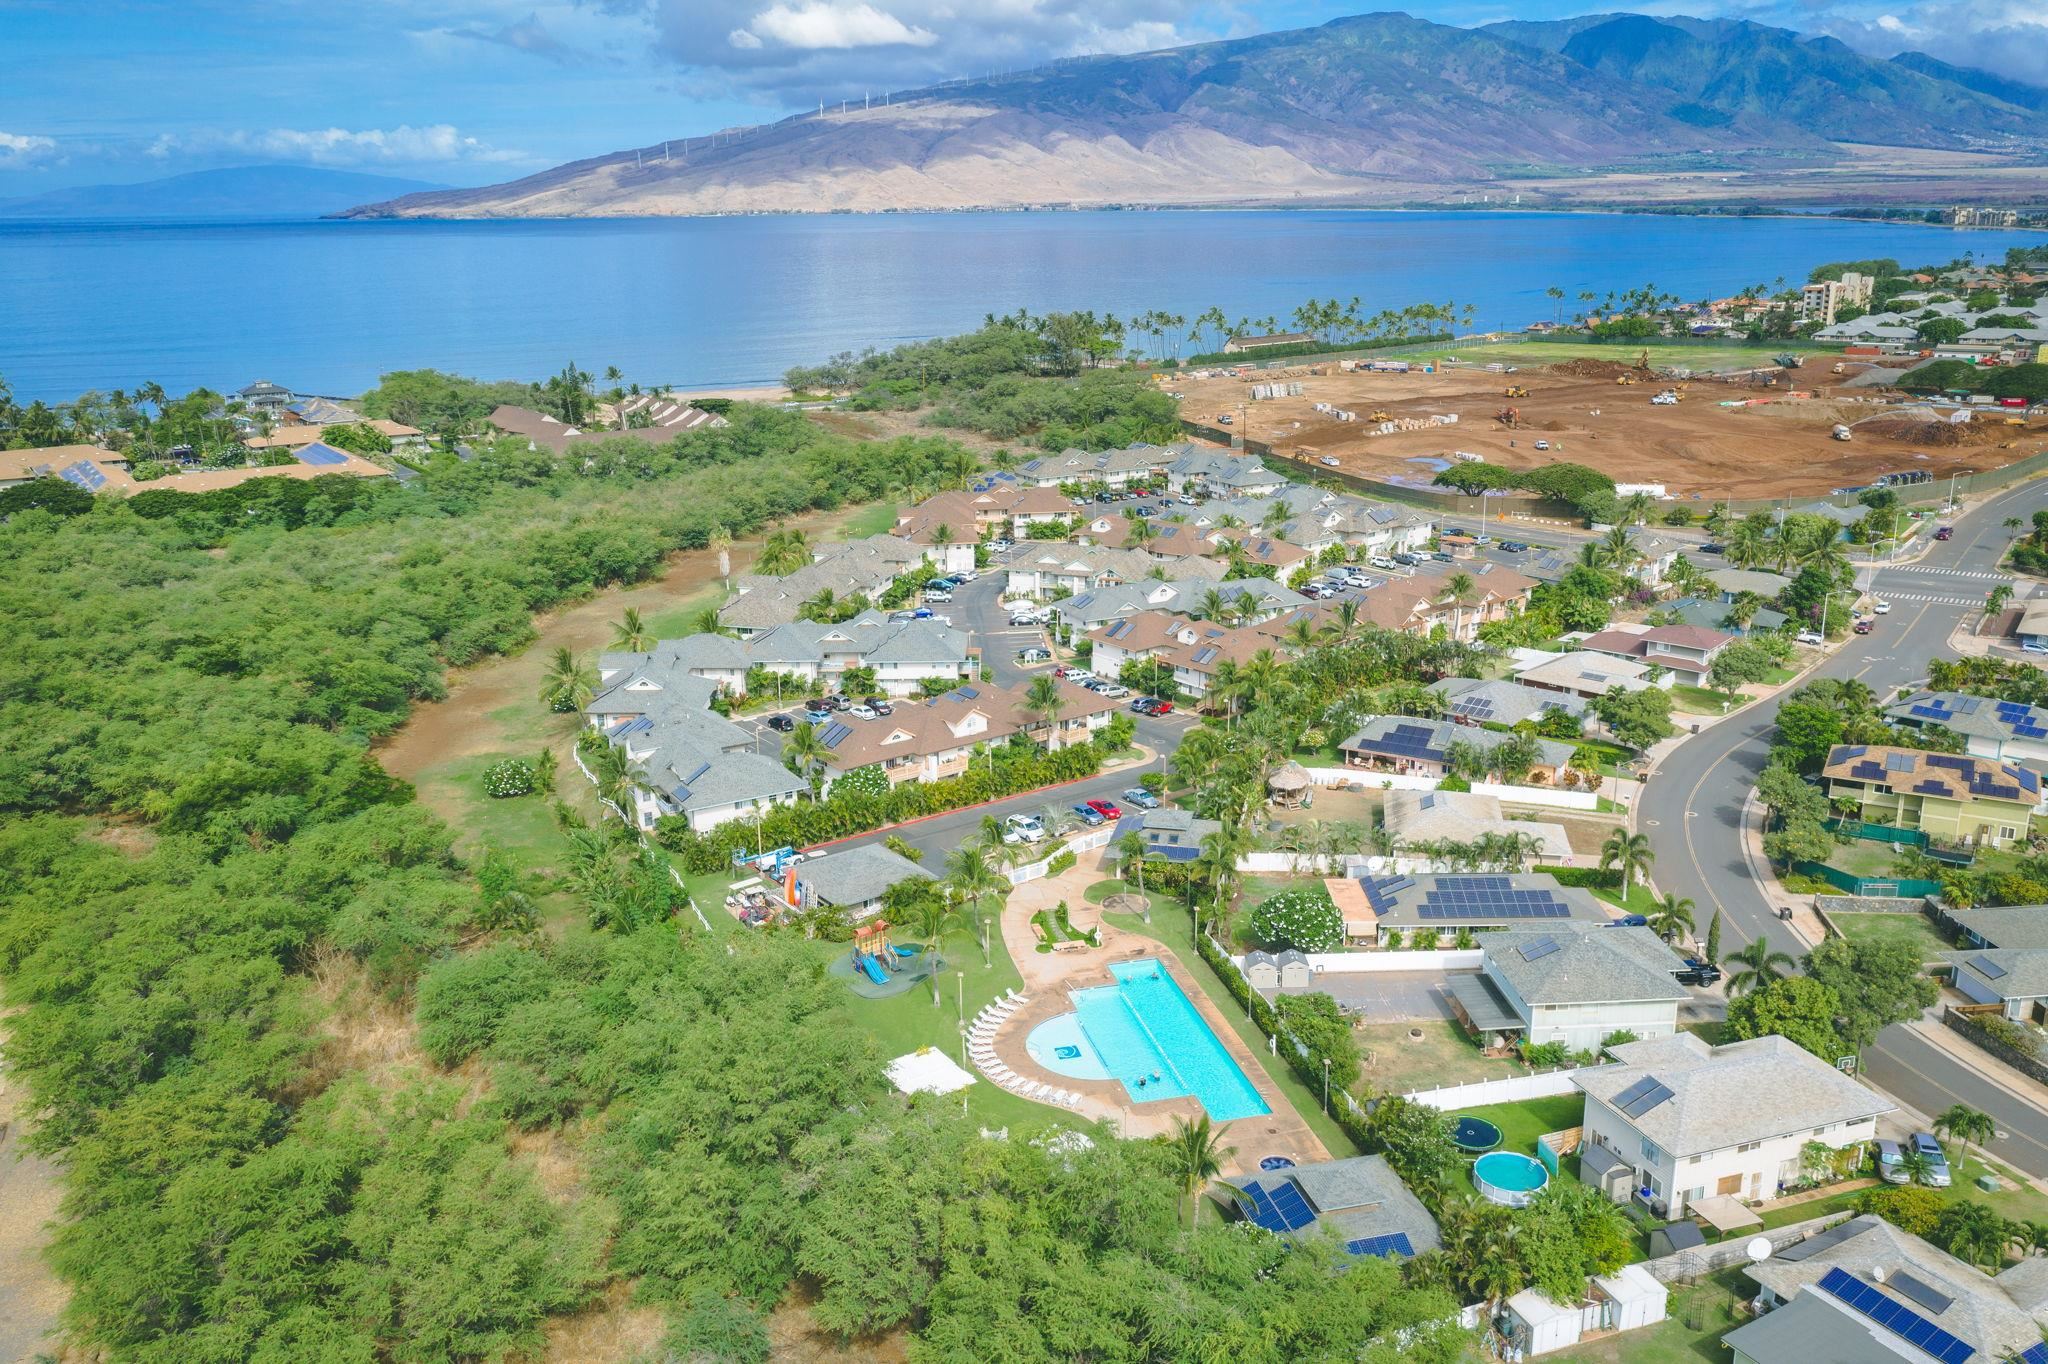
(1630, 1297)
(1538, 1326)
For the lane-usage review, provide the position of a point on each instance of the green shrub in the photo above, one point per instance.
(1063, 860)
(1304, 918)
(512, 777)
(1906, 1206)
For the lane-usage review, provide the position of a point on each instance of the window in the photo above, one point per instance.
(1650, 1152)
(2006, 831)
(1695, 1195)
(1820, 1131)
(1747, 1146)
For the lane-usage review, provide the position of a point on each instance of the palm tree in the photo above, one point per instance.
(1630, 852)
(1194, 1155)
(1457, 588)
(1915, 1164)
(1141, 532)
(618, 777)
(1759, 964)
(1672, 917)
(1345, 619)
(785, 551)
(1618, 550)
(569, 683)
(2013, 525)
(1221, 849)
(1975, 1234)
(1960, 1122)
(1044, 699)
(822, 607)
(804, 753)
(1130, 851)
(931, 916)
(630, 633)
(973, 877)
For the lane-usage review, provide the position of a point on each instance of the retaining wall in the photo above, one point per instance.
(2030, 1066)
(1870, 904)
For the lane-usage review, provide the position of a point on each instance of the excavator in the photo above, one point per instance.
(1516, 391)
(1508, 417)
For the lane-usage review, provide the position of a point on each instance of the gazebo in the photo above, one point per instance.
(1290, 786)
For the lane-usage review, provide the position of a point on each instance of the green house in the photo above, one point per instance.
(1953, 797)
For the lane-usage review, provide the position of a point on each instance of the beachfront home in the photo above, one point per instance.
(1360, 1201)
(545, 432)
(1421, 748)
(1476, 701)
(1867, 1292)
(264, 396)
(936, 738)
(1574, 983)
(403, 438)
(1374, 906)
(1675, 1121)
(99, 471)
(664, 412)
(696, 763)
(1954, 798)
(1685, 652)
(2005, 731)
(854, 879)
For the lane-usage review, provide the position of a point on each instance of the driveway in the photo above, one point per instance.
(1389, 996)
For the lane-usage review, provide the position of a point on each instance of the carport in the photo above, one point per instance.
(1484, 1009)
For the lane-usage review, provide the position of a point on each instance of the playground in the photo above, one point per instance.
(876, 968)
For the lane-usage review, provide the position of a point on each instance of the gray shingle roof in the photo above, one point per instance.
(1589, 965)
(2009, 926)
(1354, 1199)
(854, 876)
(1503, 701)
(1809, 1331)
(2008, 972)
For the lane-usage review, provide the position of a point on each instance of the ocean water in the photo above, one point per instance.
(324, 307)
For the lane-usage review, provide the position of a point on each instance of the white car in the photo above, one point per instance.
(1542, 445)
(1879, 606)
(936, 597)
(1809, 637)
(1382, 561)
(1329, 461)
(1023, 829)
(864, 712)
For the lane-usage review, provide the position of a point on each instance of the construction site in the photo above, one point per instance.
(1789, 426)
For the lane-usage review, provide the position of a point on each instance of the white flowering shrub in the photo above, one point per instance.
(1304, 918)
(512, 777)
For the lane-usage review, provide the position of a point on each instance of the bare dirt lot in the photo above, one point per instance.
(1728, 437)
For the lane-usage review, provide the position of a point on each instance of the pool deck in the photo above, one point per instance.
(1048, 976)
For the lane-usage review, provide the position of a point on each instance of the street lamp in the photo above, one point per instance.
(1326, 1086)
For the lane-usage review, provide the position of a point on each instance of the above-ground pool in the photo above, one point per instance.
(1143, 1032)
(1509, 1177)
(1475, 1134)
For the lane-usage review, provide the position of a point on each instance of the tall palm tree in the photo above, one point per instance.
(1345, 618)
(1629, 851)
(1975, 1234)
(1130, 851)
(933, 917)
(1960, 1122)
(1194, 1155)
(619, 778)
(569, 683)
(630, 632)
(1758, 965)
(785, 551)
(1221, 849)
(973, 877)
(1672, 917)
(1618, 550)
(1044, 699)
(1141, 532)
(804, 752)
(1457, 588)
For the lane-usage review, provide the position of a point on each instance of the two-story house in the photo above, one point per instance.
(1675, 1120)
(697, 764)
(936, 738)
(1685, 652)
(1572, 983)
(2004, 731)
(1957, 798)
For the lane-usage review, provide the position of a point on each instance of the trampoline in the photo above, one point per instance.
(1276, 1163)
(1475, 1134)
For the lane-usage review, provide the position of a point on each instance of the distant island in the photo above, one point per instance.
(272, 192)
(1377, 110)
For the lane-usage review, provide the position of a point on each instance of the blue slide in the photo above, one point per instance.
(874, 969)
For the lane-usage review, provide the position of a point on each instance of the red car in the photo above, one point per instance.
(1105, 809)
(1152, 705)
(1862, 627)
(1944, 532)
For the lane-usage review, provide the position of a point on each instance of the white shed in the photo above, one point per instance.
(1538, 1326)
(1632, 1297)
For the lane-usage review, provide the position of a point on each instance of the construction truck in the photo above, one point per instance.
(1508, 416)
(1840, 433)
(1516, 391)
(1625, 379)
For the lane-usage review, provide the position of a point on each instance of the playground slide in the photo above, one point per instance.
(874, 970)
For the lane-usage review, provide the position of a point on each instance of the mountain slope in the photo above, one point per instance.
(1970, 78)
(235, 192)
(1375, 108)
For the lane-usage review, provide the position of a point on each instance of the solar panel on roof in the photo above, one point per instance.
(834, 734)
(2035, 1354)
(85, 474)
(1930, 787)
(1633, 1092)
(1396, 1243)
(1539, 949)
(1858, 751)
(1929, 1297)
(1900, 1320)
(968, 692)
(1947, 760)
(1930, 712)
(1263, 1213)
(1898, 762)
(702, 768)
(1646, 1097)
(321, 454)
(1988, 968)
(1293, 1208)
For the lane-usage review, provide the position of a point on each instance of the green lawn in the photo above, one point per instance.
(1699, 1315)
(1779, 676)
(870, 520)
(1521, 1123)
(1703, 700)
(1910, 928)
(1639, 900)
(681, 619)
(1444, 1055)
(1170, 926)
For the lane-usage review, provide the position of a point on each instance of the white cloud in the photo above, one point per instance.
(19, 149)
(433, 144)
(2008, 37)
(829, 24)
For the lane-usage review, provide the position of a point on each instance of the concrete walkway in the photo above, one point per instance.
(1048, 976)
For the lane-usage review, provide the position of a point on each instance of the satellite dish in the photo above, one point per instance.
(1373, 864)
(1877, 1273)
(1758, 1249)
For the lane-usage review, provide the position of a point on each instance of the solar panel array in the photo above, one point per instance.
(1489, 897)
(1898, 762)
(317, 453)
(1927, 1295)
(1640, 1097)
(1473, 708)
(2035, 1354)
(1408, 741)
(1990, 969)
(85, 474)
(1279, 1209)
(1396, 1243)
(834, 734)
(1900, 1320)
(1539, 949)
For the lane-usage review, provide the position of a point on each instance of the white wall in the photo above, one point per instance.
(1080, 843)
(1582, 1026)
(1680, 1180)
(1521, 795)
(1516, 1089)
(1352, 963)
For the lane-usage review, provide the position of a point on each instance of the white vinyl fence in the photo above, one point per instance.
(673, 874)
(1347, 963)
(1084, 842)
(1514, 1089)
(1519, 795)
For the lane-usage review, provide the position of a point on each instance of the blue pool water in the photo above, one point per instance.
(1061, 1047)
(1508, 1177)
(1143, 1026)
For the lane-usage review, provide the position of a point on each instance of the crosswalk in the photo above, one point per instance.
(1982, 575)
(1890, 595)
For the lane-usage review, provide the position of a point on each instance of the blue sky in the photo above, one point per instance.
(475, 91)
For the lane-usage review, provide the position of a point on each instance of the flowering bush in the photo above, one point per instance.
(1304, 918)
(512, 777)
(864, 781)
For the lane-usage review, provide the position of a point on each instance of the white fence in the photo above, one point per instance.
(1515, 1089)
(1296, 864)
(1348, 963)
(1519, 795)
(1080, 843)
(673, 874)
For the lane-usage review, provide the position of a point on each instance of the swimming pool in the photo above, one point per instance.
(1509, 1177)
(1144, 1032)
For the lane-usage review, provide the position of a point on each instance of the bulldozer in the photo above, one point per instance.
(1625, 379)
(1508, 417)
(1516, 391)
(1380, 415)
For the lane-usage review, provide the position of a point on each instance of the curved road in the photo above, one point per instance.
(1692, 807)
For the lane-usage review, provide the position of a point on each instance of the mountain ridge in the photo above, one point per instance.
(1380, 107)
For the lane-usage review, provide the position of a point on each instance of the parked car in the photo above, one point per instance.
(1924, 1144)
(1142, 798)
(1879, 606)
(781, 723)
(1115, 691)
(880, 705)
(817, 715)
(1713, 549)
(863, 712)
(1891, 1162)
(1034, 654)
(1381, 561)
(1513, 547)
(1090, 816)
(1329, 461)
(1444, 558)
(1944, 532)
(1107, 809)
(1024, 621)
(1072, 673)
(1152, 705)
(1023, 829)
(1629, 921)
(937, 597)
(1864, 627)
(1454, 530)
(1697, 972)
(833, 702)
(1406, 560)
(1809, 637)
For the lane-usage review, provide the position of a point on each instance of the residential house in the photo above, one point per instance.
(1249, 599)
(1574, 983)
(264, 396)
(1675, 1120)
(1421, 748)
(1359, 1201)
(97, 472)
(1239, 345)
(1583, 673)
(1146, 635)
(1733, 582)
(854, 879)
(904, 655)
(403, 438)
(1954, 798)
(546, 432)
(1685, 652)
(1115, 468)
(1713, 615)
(1197, 662)
(936, 738)
(2031, 630)
(1417, 818)
(1654, 556)
(1170, 835)
(865, 567)
(1867, 1292)
(45, 461)
(1217, 472)
(1498, 593)
(699, 765)
(2014, 978)
(2005, 731)
(1374, 906)
(1042, 568)
(664, 412)
(2006, 926)
(1475, 701)
(1257, 550)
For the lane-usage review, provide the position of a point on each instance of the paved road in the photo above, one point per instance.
(1692, 807)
